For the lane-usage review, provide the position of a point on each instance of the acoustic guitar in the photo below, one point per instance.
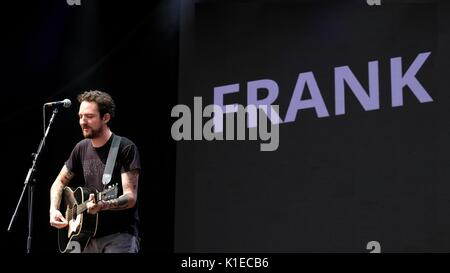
(82, 225)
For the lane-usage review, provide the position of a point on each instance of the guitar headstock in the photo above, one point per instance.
(110, 193)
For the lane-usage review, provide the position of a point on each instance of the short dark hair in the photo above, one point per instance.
(104, 101)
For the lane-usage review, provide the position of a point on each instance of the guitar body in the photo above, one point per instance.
(82, 226)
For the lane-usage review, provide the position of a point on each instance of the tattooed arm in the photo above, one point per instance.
(126, 201)
(63, 179)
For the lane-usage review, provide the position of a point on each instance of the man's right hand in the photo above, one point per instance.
(57, 220)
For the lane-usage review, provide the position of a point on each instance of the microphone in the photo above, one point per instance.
(65, 103)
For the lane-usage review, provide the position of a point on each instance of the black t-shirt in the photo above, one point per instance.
(91, 162)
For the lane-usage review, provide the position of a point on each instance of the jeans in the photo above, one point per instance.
(114, 243)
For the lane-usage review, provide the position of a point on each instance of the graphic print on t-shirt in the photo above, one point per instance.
(92, 168)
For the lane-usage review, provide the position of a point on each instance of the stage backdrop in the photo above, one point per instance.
(363, 154)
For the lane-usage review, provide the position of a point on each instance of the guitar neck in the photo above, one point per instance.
(108, 194)
(82, 207)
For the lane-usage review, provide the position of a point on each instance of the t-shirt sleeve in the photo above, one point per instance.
(131, 160)
(74, 163)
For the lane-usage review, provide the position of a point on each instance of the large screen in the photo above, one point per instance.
(358, 160)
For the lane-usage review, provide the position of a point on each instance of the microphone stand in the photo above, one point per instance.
(30, 183)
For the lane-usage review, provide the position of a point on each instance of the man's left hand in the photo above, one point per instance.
(92, 206)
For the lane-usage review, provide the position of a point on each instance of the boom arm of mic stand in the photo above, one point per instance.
(30, 186)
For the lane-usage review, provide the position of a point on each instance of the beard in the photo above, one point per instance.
(91, 133)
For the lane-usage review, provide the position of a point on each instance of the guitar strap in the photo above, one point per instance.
(110, 162)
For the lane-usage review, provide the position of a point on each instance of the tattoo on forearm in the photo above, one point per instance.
(118, 203)
(128, 199)
(55, 194)
(63, 179)
(66, 176)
